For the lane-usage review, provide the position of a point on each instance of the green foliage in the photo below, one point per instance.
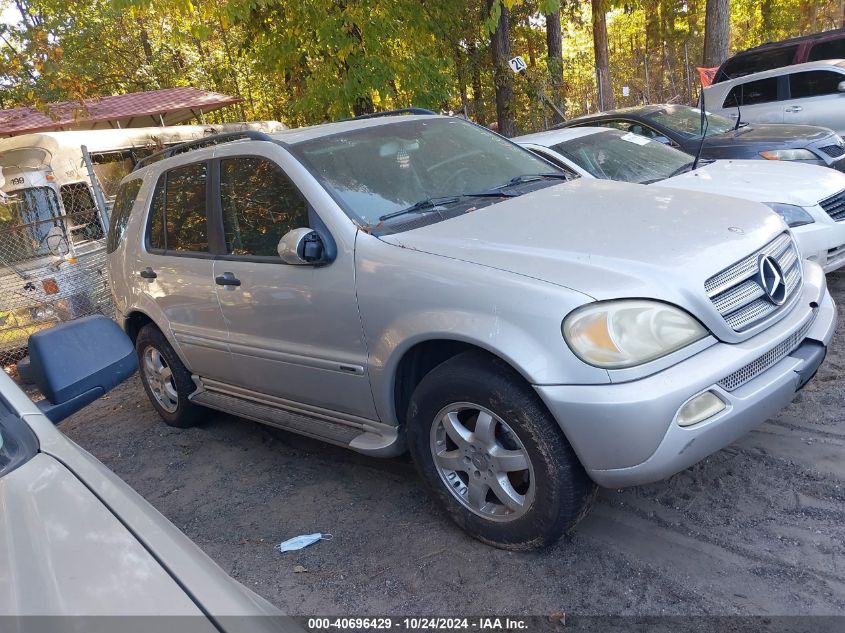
(307, 61)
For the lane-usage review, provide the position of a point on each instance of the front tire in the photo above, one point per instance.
(166, 380)
(492, 455)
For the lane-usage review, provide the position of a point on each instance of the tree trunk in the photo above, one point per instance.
(477, 88)
(144, 36)
(716, 32)
(461, 76)
(605, 92)
(554, 45)
(500, 50)
(766, 19)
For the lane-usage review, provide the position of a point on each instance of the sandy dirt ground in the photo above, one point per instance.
(758, 528)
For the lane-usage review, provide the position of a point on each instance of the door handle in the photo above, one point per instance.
(148, 273)
(227, 279)
(793, 109)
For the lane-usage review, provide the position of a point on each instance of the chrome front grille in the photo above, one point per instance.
(765, 361)
(834, 151)
(737, 294)
(834, 206)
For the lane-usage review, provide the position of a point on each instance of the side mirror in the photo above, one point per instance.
(301, 247)
(841, 86)
(77, 362)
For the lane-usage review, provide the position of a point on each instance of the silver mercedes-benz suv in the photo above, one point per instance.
(419, 283)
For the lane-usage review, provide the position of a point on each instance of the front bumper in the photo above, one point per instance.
(823, 241)
(626, 434)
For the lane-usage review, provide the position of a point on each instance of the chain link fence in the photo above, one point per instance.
(52, 263)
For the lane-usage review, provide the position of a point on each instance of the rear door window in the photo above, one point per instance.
(832, 49)
(178, 218)
(260, 204)
(752, 93)
(814, 83)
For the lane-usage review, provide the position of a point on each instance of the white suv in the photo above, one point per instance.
(811, 94)
(418, 282)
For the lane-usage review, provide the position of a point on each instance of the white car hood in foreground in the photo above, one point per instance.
(762, 181)
(75, 540)
(605, 239)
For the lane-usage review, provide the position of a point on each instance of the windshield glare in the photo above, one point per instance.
(686, 121)
(379, 170)
(614, 155)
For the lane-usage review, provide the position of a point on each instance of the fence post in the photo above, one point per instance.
(98, 193)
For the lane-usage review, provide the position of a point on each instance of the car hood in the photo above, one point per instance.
(785, 135)
(606, 239)
(762, 181)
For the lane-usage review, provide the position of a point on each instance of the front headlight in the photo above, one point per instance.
(793, 215)
(789, 154)
(628, 332)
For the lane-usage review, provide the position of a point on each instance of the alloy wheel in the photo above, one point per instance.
(482, 462)
(159, 378)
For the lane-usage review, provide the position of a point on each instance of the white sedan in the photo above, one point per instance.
(810, 199)
(77, 541)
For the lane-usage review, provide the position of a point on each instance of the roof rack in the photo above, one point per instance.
(206, 141)
(419, 111)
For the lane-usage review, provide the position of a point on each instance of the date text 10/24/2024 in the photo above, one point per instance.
(484, 624)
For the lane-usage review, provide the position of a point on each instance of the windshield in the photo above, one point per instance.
(381, 170)
(26, 216)
(686, 121)
(615, 155)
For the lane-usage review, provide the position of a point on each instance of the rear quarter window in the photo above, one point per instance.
(814, 83)
(123, 203)
(832, 49)
(748, 63)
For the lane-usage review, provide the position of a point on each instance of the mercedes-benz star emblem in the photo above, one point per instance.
(772, 280)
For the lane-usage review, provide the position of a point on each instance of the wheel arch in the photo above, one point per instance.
(134, 321)
(422, 357)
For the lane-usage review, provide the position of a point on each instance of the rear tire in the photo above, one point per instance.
(166, 380)
(493, 456)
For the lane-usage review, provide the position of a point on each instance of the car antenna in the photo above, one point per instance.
(704, 126)
(738, 111)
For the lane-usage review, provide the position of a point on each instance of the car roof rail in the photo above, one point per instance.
(374, 115)
(205, 141)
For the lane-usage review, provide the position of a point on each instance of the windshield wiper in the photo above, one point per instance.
(499, 190)
(530, 178)
(493, 192)
(422, 205)
(431, 203)
(680, 170)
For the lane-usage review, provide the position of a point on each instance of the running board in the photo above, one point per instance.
(364, 436)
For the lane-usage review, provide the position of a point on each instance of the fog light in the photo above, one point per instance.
(700, 408)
